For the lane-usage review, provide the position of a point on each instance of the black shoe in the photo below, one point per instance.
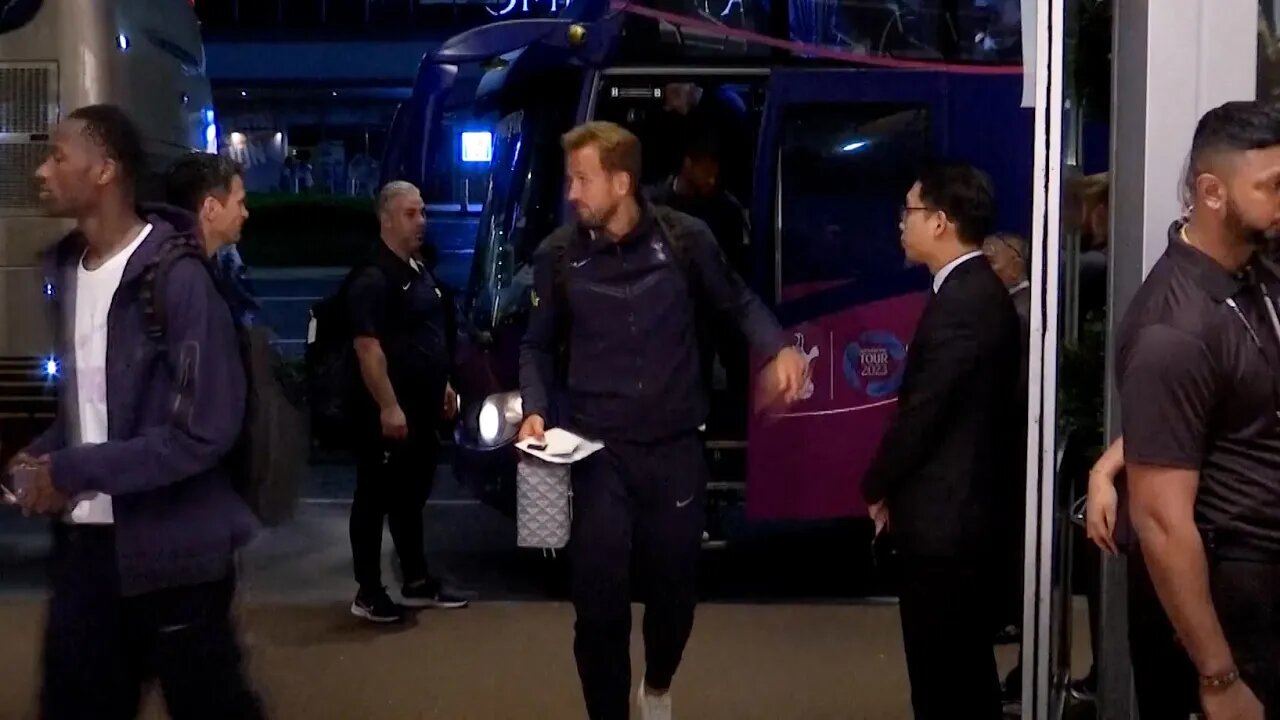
(377, 606)
(429, 594)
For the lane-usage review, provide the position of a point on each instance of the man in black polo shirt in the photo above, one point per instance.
(630, 274)
(399, 317)
(1198, 353)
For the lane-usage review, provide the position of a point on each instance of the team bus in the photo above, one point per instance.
(827, 144)
(56, 55)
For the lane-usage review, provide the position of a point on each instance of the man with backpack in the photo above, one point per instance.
(211, 187)
(613, 324)
(401, 322)
(134, 466)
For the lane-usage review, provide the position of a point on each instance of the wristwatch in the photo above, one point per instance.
(1221, 680)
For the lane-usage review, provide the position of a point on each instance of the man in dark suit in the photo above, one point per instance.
(944, 464)
(1008, 253)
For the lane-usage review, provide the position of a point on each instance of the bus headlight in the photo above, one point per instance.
(500, 418)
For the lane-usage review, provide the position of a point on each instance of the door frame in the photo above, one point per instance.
(1043, 660)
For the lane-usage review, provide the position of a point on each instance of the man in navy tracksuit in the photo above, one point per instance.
(146, 518)
(623, 280)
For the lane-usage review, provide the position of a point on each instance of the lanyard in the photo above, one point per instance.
(1272, 317)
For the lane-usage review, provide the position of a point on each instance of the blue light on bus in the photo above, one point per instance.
(51, 367)
(47, 289)
(477, 146)
(122, 41)
(210, 132)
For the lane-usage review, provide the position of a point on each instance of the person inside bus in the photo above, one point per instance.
(1007, 254)
(399, 317)
(613, 287)
(211, 187)
(1195, 366)
(693, 111)
(943, 473)
(148, 520)
(696, 191)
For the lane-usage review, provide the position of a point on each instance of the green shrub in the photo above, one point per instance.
(307, 230)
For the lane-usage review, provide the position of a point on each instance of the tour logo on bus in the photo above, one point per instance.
(874, 363)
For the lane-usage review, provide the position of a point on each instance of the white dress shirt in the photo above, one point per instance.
(941, 277)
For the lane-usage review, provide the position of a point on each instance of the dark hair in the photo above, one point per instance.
(702, 147)
(964, 193)
(110, 128)
(1235, 127)
(197, 175)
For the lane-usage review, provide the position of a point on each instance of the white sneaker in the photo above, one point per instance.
(653, 707)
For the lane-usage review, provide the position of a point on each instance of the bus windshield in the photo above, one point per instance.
(523, 204)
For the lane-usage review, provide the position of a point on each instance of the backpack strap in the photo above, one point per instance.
(154, 277)
(560, 244)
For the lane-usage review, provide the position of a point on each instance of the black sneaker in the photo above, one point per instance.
(427, 594)
(377, 606)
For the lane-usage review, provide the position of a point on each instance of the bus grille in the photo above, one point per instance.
(28, 105)
(18, 163)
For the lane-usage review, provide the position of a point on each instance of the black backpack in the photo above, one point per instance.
(332, 369)
(271, 457)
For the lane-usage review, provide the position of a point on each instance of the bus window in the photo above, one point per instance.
(526, 178)
(844, 169)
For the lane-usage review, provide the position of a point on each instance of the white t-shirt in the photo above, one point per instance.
(95, 289)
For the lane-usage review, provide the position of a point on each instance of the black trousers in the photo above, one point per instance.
(947, 616)
(101, 648)
(1166, 684)
(640, 507)
(1247, 598)
(393, 482)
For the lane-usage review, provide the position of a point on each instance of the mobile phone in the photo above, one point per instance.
(540, 447)
(17, 480)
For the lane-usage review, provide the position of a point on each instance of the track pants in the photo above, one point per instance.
(102, 648)
(641, 507)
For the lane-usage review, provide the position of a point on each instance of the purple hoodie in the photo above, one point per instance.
(173, 414)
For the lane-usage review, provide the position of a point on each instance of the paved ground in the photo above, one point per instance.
(503, 661)
(773, 641)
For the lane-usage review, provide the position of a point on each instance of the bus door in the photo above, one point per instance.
(679, 111)
(839, 149)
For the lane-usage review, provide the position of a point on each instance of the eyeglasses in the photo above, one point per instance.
(905, 209)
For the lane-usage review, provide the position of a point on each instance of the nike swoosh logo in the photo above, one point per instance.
(406, 286)
(682, 503)
(579, 263)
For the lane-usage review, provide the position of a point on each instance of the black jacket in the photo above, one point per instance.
(633, 359)
(950, 457)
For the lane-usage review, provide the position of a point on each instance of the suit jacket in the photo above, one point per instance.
(947, 464)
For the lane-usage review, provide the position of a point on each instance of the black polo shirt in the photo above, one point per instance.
(1196, 368)
(399, 303)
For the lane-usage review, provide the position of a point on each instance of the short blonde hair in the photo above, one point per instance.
(619, 148)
